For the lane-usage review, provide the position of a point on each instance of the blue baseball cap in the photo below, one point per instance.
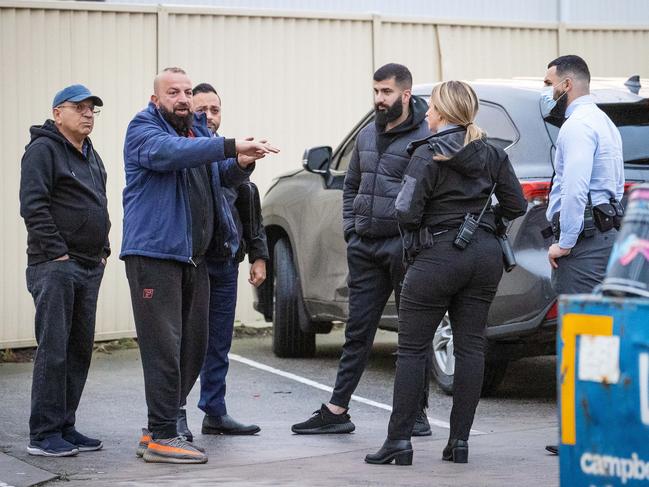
(75, 93)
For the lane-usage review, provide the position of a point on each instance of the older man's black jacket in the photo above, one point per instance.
(63, 199)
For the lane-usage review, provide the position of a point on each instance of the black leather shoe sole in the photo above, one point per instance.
(206, 430)
(403, 457)
(327, 429)
(456, 451)
(554, 449)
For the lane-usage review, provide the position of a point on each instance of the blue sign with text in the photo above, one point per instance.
(603, 382)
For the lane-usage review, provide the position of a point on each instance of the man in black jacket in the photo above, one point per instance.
(374, 249)
(224, 272)
(63, 202)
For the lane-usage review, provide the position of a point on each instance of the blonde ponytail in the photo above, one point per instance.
(458, 104)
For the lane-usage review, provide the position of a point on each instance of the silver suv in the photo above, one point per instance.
(302, 214)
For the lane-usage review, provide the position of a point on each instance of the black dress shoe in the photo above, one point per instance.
(227, 425)
(456, 451)
(181, 426)
(554, 449)
(422, 426)
(398, 450)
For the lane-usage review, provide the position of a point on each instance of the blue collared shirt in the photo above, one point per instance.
(588, 158)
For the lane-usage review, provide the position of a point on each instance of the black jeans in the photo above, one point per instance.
(65, 294)
(375, 270)
(462, 282)
(170, 306)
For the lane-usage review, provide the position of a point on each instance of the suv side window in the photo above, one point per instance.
(344, 155)
(499, 126)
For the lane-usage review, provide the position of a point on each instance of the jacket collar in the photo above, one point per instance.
(582, 100)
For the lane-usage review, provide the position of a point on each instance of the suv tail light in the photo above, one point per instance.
(536, 192)
(552, 313)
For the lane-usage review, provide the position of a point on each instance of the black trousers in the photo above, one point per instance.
(375, 271)
(65, 294)
(462, 282)
(170, 305)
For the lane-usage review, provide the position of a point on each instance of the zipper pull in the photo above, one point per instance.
(191, 261)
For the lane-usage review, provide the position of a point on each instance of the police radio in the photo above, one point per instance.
(470, 225)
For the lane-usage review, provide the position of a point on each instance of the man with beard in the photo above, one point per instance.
(223, 270)
(588, 181)
(172, 207)
(374, 248)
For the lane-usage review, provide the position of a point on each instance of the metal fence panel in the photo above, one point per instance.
(299, 78)
(470, 52)
(297, 81)
(41, 51)
(610, 52)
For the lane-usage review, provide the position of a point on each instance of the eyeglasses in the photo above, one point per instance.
(81, 108)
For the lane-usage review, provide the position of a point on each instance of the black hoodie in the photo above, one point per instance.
(63, 199)
(374, 175)
(438, 193)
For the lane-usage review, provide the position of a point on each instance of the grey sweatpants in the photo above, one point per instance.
(584, 268)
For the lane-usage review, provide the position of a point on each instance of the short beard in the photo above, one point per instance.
(559, 110)
(384, 117)
(182, 125)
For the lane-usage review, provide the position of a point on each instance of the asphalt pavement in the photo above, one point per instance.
(507, 448)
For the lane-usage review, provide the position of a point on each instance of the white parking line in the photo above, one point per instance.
(317, 385)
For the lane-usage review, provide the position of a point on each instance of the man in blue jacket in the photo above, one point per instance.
(173, 206)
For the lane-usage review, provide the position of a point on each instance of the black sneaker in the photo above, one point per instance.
(422, 426)
(82, 442)
(323, 422)
(54, 446)
(553, 449)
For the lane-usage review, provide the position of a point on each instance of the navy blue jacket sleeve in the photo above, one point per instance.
(155, 149)
(231, 173)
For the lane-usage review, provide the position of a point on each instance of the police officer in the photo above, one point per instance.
(588, 181)
(451, 175)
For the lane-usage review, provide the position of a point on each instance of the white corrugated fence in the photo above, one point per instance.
(298, 78)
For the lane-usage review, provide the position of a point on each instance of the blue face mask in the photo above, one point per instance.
(548, 103)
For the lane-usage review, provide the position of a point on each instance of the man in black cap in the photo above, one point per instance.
(63, 202)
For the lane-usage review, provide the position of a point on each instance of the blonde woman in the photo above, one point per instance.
(451, 175)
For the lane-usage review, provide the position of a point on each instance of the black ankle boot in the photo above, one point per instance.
(398, 450)
(456, 451)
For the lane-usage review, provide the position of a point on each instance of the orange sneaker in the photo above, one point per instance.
(144, 442)
(173, 450)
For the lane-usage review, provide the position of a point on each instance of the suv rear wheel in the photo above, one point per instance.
(288, 338)
(443, 363)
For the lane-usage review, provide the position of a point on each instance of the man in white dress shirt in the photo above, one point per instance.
(588, 182)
